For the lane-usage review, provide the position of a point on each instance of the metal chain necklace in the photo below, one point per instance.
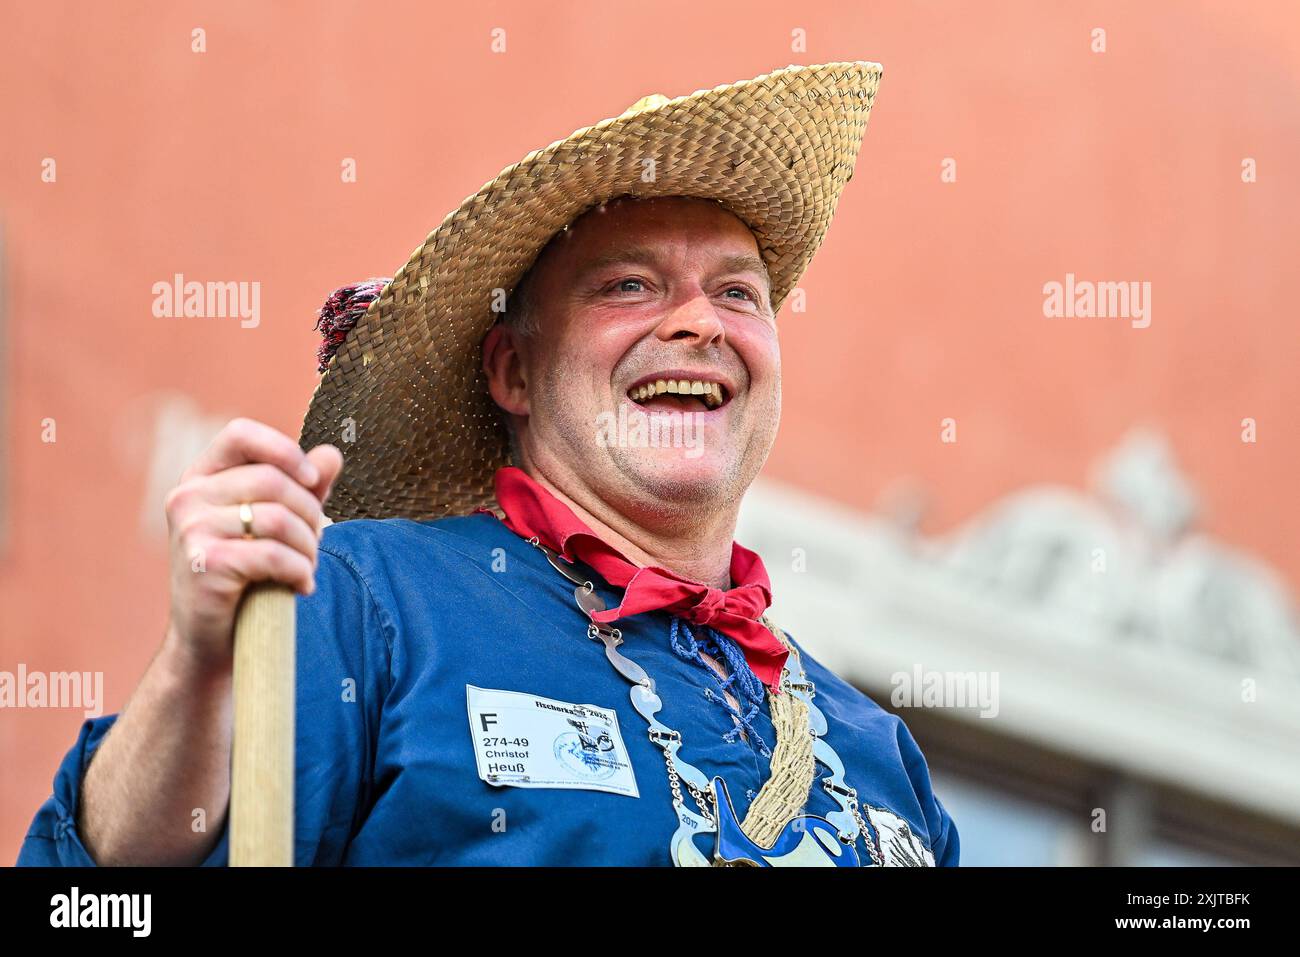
(788, 837)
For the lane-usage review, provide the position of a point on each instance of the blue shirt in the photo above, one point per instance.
(405, 615)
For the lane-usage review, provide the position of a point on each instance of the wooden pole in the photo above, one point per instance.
(262, 762)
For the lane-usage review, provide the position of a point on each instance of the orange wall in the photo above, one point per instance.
(924, 303)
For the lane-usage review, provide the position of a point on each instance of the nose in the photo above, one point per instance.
(696, 319)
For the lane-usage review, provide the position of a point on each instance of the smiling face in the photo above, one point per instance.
(651, 315)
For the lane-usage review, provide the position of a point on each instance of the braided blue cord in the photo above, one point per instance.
(740, 680)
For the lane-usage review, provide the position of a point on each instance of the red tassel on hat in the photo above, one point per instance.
(340, 313)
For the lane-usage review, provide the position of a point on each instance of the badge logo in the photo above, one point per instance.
(585, 752)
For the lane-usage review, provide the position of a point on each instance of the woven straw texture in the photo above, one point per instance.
(405, 397)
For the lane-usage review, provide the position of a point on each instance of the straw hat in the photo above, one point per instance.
(405, 398)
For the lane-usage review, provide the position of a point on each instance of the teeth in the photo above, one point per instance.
(710, 393)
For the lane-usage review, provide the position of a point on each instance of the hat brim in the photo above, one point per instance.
(405, 397)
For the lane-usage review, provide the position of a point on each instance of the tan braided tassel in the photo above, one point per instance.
(787, 788)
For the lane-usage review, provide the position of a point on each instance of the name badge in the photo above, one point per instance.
(525, 741)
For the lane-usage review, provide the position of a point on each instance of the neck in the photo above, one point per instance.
(694, 549)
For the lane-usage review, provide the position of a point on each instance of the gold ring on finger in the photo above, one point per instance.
(246, 518)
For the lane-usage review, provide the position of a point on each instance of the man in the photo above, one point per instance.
(576, 666)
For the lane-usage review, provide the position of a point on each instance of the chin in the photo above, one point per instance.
(681, 475)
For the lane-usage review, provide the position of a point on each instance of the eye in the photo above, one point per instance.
(620, 285)
(741, 289)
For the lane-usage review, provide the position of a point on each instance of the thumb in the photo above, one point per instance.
(329, 460)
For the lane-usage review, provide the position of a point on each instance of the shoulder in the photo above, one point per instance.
(859, 710)
(360, 534)
(394, 560)
(828, 684)
(845, 706)
(371, 545)
(381, 582)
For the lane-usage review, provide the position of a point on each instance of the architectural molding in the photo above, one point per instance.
(1119, 632)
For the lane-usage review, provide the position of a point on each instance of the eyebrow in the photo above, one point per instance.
(734, 262)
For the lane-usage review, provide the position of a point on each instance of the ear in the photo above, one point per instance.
(504, 367)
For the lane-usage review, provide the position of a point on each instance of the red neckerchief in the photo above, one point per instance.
(531, 510)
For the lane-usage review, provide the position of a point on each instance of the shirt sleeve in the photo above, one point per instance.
(943, 842)
(344, 642)
(947, 846)
(53, 839)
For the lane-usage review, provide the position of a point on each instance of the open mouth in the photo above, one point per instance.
(679, 395)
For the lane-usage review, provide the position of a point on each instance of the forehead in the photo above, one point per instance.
(670, 224)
